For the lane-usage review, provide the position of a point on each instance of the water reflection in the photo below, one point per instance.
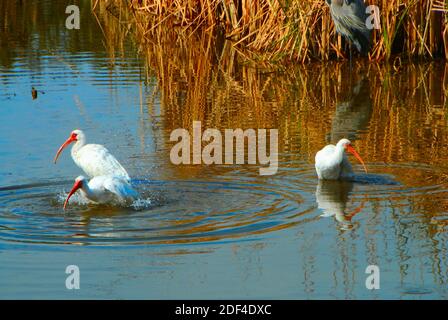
(332, 197)
(352, 115)
(261, 235)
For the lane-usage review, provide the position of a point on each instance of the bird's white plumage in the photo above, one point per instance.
(95, 159)
(332, 163)
(107, 189)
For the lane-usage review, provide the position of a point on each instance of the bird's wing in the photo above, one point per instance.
(350, 21)
(324, 153)
(102, 194)
(96, 160)
(120, 187)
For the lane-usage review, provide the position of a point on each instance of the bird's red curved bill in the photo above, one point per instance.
(62, 147)
(353, 151)
(76, 186)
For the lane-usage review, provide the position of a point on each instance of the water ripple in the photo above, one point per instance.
(174, 212)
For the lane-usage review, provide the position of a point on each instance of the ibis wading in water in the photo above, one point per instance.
(104, 190)
(94, 159)
(332, 162)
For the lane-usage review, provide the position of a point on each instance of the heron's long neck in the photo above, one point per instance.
(77, 146)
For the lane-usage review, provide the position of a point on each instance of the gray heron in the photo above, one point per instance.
(349, 17)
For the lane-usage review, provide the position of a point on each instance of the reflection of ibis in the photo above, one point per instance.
(332, 162)
(332, 198)
(104, 189)
(94, 159)
(352, 115)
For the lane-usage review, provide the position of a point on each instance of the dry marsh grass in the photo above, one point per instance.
(197, 78)
(279, 30)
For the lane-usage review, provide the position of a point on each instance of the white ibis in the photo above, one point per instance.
(104, 189)
(332, 162)
(93, 159)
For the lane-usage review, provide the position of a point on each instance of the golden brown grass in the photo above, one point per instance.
(199, 79)
(273, 30)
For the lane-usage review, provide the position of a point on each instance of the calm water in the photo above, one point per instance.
(214, 231)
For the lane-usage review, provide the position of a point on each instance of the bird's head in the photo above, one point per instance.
(344, 142)
(75, 135)
(79, 183)
(347, 145)
(80, 179)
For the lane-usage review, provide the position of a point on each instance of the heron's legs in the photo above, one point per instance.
(350, 61)
(350, 54)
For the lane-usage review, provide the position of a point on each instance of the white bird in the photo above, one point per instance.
(93, 159)
(332, 162)
(104, 189)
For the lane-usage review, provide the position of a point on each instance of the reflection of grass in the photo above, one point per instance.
(200, 78)
(273, 30)
(29, 26)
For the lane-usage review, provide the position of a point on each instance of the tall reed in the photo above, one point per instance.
(197, 78)
(279, 30)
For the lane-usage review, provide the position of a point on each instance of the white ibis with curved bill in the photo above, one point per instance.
(332, 162)
(104, 190)
(93, 159)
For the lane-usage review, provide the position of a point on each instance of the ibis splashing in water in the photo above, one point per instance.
(104, 190)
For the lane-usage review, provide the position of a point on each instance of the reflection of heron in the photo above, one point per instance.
(349, 17)
(353, 114)
(332, 197)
